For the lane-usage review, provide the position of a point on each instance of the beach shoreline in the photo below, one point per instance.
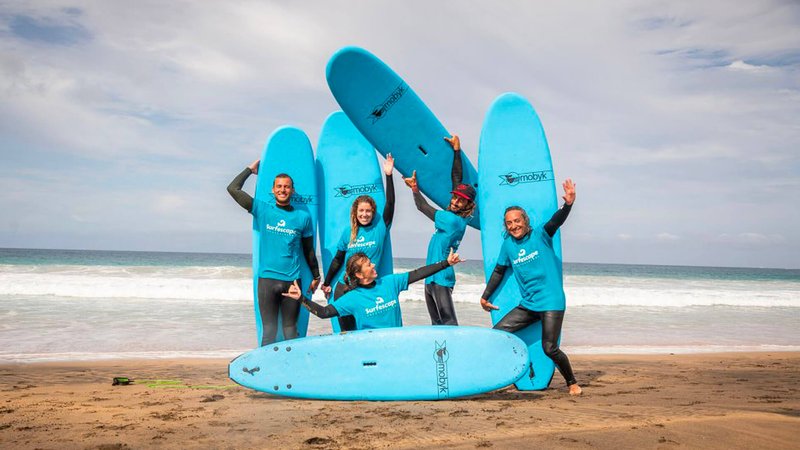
(712, 400)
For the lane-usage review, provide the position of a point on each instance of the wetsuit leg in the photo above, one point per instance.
(517, 319)
(430, 302)
(290, 310)
(346, 323)
(439, 300)
(551, 330)
(268, 306)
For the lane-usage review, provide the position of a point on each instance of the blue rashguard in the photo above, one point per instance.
(449, 230)
(369, 239)
(377, 306)
(536, 270)
(280, 247)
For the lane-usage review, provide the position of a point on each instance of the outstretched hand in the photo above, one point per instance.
(388, 165)
(412, 182)
(294, 291)
(453, 258)
(254, 166)
(454, 142)
(487, 305)
(569, 191)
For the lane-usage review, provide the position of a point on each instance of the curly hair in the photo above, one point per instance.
(353, 266)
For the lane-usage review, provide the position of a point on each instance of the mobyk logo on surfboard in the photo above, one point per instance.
(347, 190)
(380, 111)
(522, 258)
(514, 178)
(301, 199)
(440, 357)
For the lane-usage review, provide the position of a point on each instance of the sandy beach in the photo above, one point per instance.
(744, 400)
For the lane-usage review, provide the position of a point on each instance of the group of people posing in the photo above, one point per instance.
(361, 299)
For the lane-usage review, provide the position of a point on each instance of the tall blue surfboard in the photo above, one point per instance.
(287, 150)
(347, 167)
(395, 120)
(406, 363)
(516, 169)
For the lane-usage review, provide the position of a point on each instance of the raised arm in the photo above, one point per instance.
(560, 216)
(419, 200)
(426, 271)
(235, 188)
(388, 208)
(456, 173)
(323, 312)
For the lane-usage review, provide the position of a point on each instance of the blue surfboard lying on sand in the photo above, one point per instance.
(515, 169)
(347, 167)
(411, 363)
(288, 150)
(394, 119)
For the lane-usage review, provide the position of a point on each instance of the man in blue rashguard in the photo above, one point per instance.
(449, 227)
(286, 233)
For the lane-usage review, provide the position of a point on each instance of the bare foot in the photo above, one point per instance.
(574, 389)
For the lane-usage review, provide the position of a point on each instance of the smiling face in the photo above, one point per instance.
(457, 204)
(364, 213)
(367, 273)
(282, 189)
(516, 223)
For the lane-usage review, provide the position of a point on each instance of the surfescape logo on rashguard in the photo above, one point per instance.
(361, 242)
(440, 357)
(514, 178)
(280, 228)
(381, 305)
(522, 258)
(379, 112)
(347, 190)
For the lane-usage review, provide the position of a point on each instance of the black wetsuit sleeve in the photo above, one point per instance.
(323, 312)
(494, 281)
(336, 264)
(423, 206)
(235, 189)
(388, 208)
(311, 257)
(426, 271)
(456, 173)
(558, 219)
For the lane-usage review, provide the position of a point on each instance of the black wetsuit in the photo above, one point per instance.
(270, 291)
(348, 323)
(325, 312)
(521, 317)
(439, 298)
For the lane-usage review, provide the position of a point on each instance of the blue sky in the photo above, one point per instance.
(121, 123)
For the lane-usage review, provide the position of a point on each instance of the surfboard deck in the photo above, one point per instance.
(287, 150)
(405, 363)
(395, 120)
(516, 169)
(347, 167)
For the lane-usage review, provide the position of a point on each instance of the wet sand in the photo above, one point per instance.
(733, 400)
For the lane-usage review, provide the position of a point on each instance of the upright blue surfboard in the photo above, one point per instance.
(347, 167)
(516, 169)
(395, 120)
(407, 363)
(287, 150)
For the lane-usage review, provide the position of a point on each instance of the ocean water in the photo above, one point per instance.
(83, 305)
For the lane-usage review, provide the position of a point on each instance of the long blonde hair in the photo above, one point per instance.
(354, 214)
